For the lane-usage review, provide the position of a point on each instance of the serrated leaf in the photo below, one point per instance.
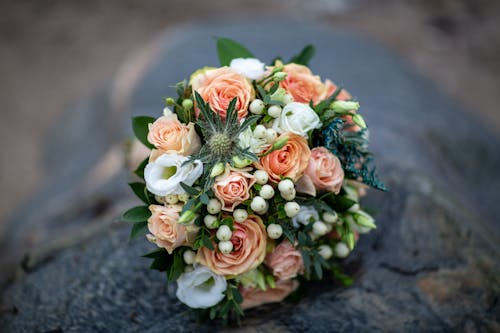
(304, 56)
(140, 125)
(136, 214)
(138, 229)
(228, 50)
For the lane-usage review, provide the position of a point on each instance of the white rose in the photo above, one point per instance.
(164, 175)
(247, 140)
(201, 288)
(297, 118)
(305, 215)
(251, 68)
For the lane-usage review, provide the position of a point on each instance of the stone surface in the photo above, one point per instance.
(432, 264)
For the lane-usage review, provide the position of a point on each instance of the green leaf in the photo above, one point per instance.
(140, 169)
(155, 254)
(177, 266)
(304, 56)
(141, 192)
(136, 214)
(228, 50)
(204, 199)
(138, 229)
(189, 190)
(161, 263)
(141, 129)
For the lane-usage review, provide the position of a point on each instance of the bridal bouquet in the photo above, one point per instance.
(252, 181)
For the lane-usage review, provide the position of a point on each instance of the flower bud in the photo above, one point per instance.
(211, 221)
(287, 99)
(259, 132)
(344, 106)
(358, 120)
(261, 177)
(167, 111)
(325, 251)
(217, 169)
(280, 143)
(240, 215)
(214, 206)
(171, 199)
(187, 104)
(274, 231)
(183, 197)
(286, 185)
(271, 135)
(320, 228)
(279, 76)
(274, 111)
(241, 163)
(353, 208)
(266, 192)
(257, 106)
(170, 101)
(161, 199)
(189, 257)
(278, 95)
(341, 250)
(258, 204)
(289, 196)
(292, 208)
(224, 233)
(330, 217)
(365, 220)
(187, 217)
(225, 247)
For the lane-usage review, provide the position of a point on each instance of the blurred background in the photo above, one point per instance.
(56, 54)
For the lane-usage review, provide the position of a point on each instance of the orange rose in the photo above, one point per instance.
(325, 170)
(285, 261)
(233, 187)
(169, 135)
(167, 233)
(253, 297)
(249, 249)
(289, 161)
(219, 86)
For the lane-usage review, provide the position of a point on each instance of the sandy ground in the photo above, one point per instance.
(55, 53)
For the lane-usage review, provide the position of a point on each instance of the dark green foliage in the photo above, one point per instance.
(352, 150)
(173, 263)
(304, 56)
(136, 214)
(141, 129)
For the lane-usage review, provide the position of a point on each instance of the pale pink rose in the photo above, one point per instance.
(162, 224)
(288, 162)
(233, 187)
(219, 86)
(249, 249)
(169, 135)
(325, 170)
(285, 261)
(253, 297)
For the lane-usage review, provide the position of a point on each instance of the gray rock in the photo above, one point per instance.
(431, 265)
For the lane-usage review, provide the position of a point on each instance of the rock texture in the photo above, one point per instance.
(431, 265)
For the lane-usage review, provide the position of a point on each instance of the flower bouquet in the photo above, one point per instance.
(252, 181)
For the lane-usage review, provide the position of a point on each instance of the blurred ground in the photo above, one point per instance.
(55, 53)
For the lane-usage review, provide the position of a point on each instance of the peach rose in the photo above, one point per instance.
(330, 88)
(233, 187)
(249, 249)
(285, 261)
(304, 86)
(169, 135)
(289, 161)
(253, 297)
(219, 86)
(167, 233)
(325, 170)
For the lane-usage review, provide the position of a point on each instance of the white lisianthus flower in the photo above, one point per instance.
(297, 118)
(247, 140)
(164, 175)
(251, 68)
(201, 288)
(306, 214)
